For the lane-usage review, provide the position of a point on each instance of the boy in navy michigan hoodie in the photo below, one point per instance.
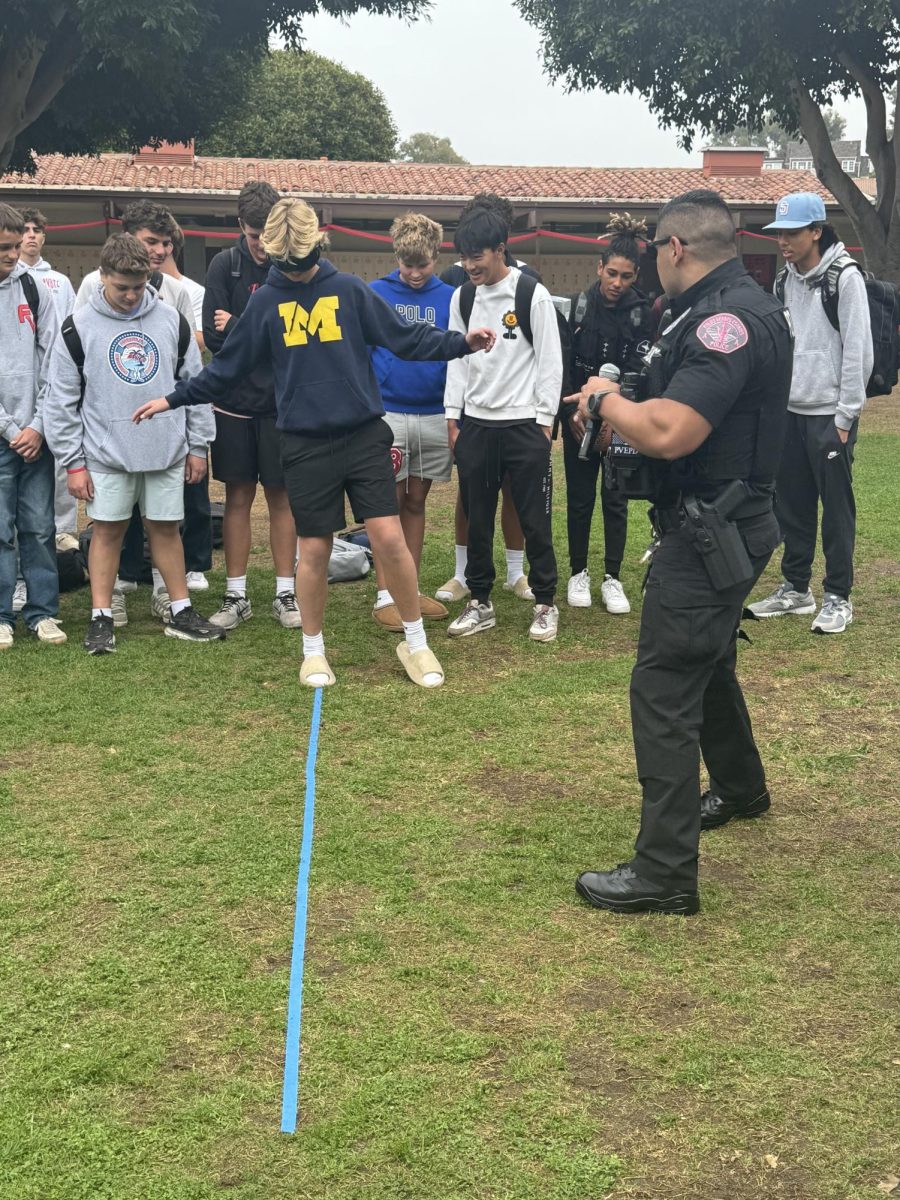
(413, 394)
(315, 325)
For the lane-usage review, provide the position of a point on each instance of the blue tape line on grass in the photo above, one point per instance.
(298, 953)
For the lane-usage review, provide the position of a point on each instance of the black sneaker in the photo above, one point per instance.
(191, 627)
(100, 637)
(624, 891)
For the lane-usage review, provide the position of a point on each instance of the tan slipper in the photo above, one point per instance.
(316, 664)
(420, 664)
(432, 610)
(388, 617)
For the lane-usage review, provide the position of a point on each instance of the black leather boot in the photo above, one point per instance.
(624, 891)
(714, 811)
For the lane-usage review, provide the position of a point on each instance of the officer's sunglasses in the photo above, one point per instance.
(652, 248)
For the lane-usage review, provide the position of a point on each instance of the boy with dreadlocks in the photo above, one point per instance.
(610, 323)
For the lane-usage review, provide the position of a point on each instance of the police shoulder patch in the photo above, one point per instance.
(723, 332)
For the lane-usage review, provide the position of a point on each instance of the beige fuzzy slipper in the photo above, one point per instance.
(316, 664)
(420, 664)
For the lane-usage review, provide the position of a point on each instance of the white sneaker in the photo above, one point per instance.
(6, 636)
(545, 624)
(160, 605)
(48, 631)
(613, 596)
(474, 618)
(232, 611)
(834, 616)
(286, 611)
(782, 601)
(66, 541)
(197, 581)
(578, 593)
(20, 596)
(125, 585)
(119, 611)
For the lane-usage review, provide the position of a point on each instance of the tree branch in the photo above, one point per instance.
(54, 69)
(861, 213)
(878, 148)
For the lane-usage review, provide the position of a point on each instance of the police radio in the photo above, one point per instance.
(626, 470)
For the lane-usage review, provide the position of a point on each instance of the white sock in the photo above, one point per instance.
(384, 598)
(515, 565)
(179, 605)
(236, 585)
(313, 643)
(284, 583)
(101, 612)
(159, 584)
(462, 561)
(415, 635)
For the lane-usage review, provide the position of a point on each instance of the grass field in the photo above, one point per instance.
(471, 1030)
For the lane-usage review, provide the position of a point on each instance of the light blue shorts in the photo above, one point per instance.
(160, 494)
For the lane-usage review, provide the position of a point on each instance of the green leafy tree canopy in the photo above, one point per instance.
(428, 148)
(727, 63)
(78, 74)
(774, 136)
(301, 105)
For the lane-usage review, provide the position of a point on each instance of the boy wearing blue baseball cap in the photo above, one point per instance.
(832, 364)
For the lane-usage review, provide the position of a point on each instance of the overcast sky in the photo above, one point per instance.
(473, 74)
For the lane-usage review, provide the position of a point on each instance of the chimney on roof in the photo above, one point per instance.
(733, 160)
(167, 154)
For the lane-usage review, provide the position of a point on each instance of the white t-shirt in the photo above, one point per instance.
(196, 293)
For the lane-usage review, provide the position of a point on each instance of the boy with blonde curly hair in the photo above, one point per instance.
(413, 395)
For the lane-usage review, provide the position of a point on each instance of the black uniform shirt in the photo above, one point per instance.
(618, 334)
(728, 354)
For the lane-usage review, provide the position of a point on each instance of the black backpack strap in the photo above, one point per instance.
(155, 280)
(830, 287)
(185, 333)
(466, 302)
(778, 289)
(525, 286)
(30, 288)
(235, 262)
(75, 349)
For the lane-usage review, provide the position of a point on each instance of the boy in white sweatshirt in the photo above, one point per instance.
(828, 390)
(510, 404)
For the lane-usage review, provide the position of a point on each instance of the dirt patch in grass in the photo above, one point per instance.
(516, 788)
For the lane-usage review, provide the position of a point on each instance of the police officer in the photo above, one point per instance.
(712, 431)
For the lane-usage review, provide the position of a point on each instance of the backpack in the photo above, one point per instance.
(525, 286)
(30, 288)
(76, 350)
(884, 318)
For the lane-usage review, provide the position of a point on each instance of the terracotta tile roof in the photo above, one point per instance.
(122, 173)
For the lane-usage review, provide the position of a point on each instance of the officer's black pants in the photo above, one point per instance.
(816, 466)
(196, 535)
(484, 455)
(685, 700)
(581, 499)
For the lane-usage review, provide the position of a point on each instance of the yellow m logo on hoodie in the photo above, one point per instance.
(300, 325)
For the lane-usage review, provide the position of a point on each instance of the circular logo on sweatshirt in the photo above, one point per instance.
(134, 357)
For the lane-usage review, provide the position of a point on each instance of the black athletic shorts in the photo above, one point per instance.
(319, 471)
(247, 449)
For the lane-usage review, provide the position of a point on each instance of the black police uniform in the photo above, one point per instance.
(618, 334)
(728, 354)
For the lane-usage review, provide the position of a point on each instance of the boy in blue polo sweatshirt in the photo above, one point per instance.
(315, 325)
(413, 395)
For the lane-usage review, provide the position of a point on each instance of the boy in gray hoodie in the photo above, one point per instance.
(130, 342)
(28, 327)
(828, 390)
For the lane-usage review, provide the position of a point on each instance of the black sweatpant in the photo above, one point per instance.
(581, 499)
(484, 455)
(196, 535)
(816, 466)
(685, 699)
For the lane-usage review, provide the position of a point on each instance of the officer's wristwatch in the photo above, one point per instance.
(595, 400)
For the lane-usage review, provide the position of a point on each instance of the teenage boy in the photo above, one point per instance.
(513, 539)
(832, 364)
(60, 288)
(155, 228)
(315, 325)
(413, 395)
(28, 327)
(246, 450)
(194, 290)
(510, 403)
(130, 344)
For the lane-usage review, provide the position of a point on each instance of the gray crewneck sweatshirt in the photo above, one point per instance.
(831, 366)
(128, 359)
(24, 357)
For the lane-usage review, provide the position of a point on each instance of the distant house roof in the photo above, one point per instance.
(127, 175)
(847, 149)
